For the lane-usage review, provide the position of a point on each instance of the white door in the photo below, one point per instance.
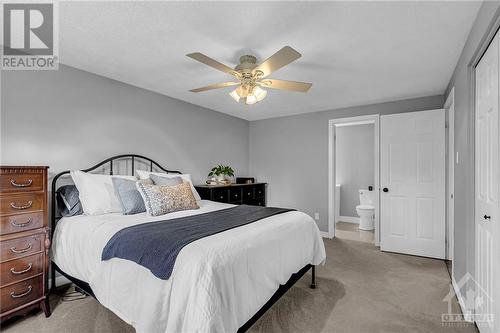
(487, 201)
(412, 171)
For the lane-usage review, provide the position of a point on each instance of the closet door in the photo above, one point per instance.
(487, 219)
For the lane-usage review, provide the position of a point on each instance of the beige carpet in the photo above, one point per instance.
(360, 289)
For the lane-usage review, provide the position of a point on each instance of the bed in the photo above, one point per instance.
(220, 283)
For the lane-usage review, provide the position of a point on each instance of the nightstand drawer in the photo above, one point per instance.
(19, 269)
(235, 194)
(21, 222)
(257, 202)
(20, 247)
(260, 191)
(247, 192)
(21, 182)
(21, 293)
(221, 194)
(21, 203)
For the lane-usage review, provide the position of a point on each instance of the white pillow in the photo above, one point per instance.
(97, 193)
(185, 178)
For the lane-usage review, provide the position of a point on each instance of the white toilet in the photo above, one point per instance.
(366, 209)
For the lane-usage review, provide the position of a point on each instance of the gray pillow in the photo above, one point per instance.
(165, 181)
(68, 201)
(128, 195)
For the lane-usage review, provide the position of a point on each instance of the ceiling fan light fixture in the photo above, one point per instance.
(251, 99)
(235, 96)
(259, 93)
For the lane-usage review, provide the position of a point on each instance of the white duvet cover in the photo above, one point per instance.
(218, 282)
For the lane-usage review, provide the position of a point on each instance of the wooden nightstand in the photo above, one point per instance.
(237, 194)
(24, 240)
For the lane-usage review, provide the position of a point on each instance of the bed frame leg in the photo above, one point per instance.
(313, 278)
(52, 278)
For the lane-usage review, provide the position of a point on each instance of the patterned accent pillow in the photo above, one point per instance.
(160, 200)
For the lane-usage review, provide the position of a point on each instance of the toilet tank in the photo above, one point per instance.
(366, 197)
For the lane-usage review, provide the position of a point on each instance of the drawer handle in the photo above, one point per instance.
(14, 295)
(249, 194)
(13, 271)
(28, 183)
(28, 205)
(222, 197)
(26, 249)
(236, 195)
(14, 223)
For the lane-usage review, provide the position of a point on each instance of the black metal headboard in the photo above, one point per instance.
(132, 157)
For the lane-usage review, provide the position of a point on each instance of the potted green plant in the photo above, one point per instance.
(222, 173)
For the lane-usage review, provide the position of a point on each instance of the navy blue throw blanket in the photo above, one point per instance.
(155, 245)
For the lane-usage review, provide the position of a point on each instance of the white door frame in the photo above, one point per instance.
(449, 106)
(359, 120)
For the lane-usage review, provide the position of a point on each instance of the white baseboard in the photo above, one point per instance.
(349, 219)
(326, 234)
(461, 300)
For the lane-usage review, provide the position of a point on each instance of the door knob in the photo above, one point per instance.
(487, 217)
(385, 189)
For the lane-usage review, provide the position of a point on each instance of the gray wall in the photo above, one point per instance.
(464, 143)
(355, 164)
(71, 119)
(291, 153)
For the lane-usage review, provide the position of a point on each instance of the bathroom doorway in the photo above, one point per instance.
(354, 178)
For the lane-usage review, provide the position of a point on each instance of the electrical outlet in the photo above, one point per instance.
(316, 216)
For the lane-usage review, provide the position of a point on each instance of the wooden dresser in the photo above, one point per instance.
(24, 240)
(237, 194)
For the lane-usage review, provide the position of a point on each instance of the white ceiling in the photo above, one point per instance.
(354, 53)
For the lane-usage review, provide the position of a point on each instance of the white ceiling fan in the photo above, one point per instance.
(252, 77)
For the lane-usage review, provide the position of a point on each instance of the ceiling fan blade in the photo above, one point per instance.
(285, 85)
(211, 62)
(215, 86)
(281, 58)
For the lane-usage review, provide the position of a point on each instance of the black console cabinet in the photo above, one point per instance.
(237, 194)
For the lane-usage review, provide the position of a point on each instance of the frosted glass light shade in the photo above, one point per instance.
(259, 93)
(234, 95)
(251, 99)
